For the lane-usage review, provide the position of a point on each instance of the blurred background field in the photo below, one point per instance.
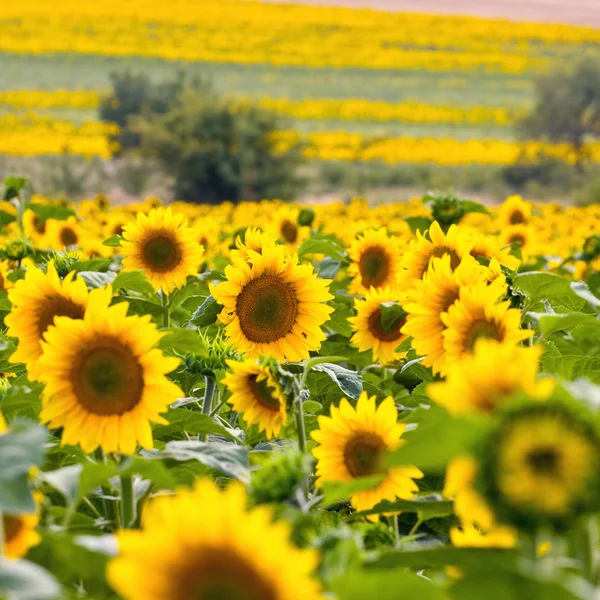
(379, 101)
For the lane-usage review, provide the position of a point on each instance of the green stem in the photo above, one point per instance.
(416, 526)
(396, 531)
(209, 391)
(166, 309)
(300, 428)
(217, 408)
(110, 514)
(127, 501)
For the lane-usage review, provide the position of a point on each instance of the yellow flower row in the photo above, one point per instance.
(251, 32)
(36, 99)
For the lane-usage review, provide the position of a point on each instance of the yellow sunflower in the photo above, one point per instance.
(431, 297)
(163, 247)
(20, 531)
(375, 262)
(257, 395)
(206, 544)
(369, 330)
(490, 247)
(514, 211)
(284, 226)
(33, 227)
(5, 282)
(3, 426)
(476, 384)
(479, 314)
(252, 239)
(521, 236)
(456, 244)
(36, 301)
(105, 379)
(63, 234)
(272, 306)
(353, 443)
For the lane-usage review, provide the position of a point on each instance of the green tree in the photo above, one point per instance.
(567, 107)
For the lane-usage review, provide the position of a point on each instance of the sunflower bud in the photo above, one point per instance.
(18, 249)
(279, 478)
(306, 217)
(4, 385)
(447, 209)
(65, 263)
(591, 248)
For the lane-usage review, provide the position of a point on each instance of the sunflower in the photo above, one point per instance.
(252, 239)
(163, 247)
(478, 526)
(257, 395)
(5, 282)
(105, 380)
(369, 329)
(490, 247)
(3, 426)
(375, 262)
(514, 211)
(455, 243)
(33, 226)
(353, 443)
(272, 305)
(19, 531)
(521, 237)
(431, 297)
(542, 464)
(476, 384)
(63, 234)
(285, 227)
(205, 544)
(478, 314)
(36, 301)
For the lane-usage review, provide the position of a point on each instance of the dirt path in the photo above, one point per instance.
(576, 12)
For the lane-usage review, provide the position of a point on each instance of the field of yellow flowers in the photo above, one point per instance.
(356, 84)
(271, 401)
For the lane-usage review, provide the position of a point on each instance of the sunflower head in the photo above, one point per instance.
(541, 464)
(163, 247)
(514, 211)
(20, 531)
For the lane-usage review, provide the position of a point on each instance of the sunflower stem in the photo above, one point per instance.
(300, 427)
(209, 392)
(166, 305)
(110, 513)
(127, 501)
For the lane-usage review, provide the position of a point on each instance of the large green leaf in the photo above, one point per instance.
(24, 580)
(552, 322)
(51, 211)
(333, 492)
(192, 422)
(183, 341)
(538, 286)
(133, 281)
(427, 507)
(207, 313)
(328, 247)
(349, 382)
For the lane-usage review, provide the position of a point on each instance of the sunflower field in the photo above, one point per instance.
(270, 401)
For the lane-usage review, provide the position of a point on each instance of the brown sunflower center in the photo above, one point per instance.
(483, 329)
(263, 393)
(363, 454)
(440, 251)
(289, 231)
(2, 282)
(220, 574)
(267, 308)
(374, 266)
(39, 225)
(161, 253)
(57, 306)
(543, 460)
(377, 330)
(12, 527)
(107, 378)
(68, 237)
(117, 229)
(517, 217)
(517, 238)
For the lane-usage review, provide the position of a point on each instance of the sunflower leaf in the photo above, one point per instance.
(427, 507)
(328, 247)
(24, 580)
(207, 313)
(95, 279)
(113, 241)
(350, 382)
(334, 492)
(134, 281)
(391, 317)
(183, 341)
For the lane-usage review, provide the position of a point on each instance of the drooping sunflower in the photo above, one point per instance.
(476, 384)
(63, 234)
(514, 211)
(369, 329)
(353, 443)
(163, 247)
(431, 297)
(36, 301)
(456, 244)
(479, 314)
(105, 379)
(20, 531)
(375, 262)
(541, 464)
(257, 395)
(205, 544)
(272, 306)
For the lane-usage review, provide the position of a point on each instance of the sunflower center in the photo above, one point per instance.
(264, 393)
(440, 251)
(516, 238)
(517, 217)
(289, 231)
(483, 329)
(118, 229)
(107, 378)
(57, 306)
(266, 308)
(374, 266)
(161, 253)
(68, 237)
(543, 460)
(376, 327)
(363, 454)
(221, 574)
(12, 527)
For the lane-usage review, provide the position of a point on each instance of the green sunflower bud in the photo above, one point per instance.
(277, 480)
(65, 263)
(446, 209)
(18, 249)
(4, 385)
(591, 247)
(306, 216)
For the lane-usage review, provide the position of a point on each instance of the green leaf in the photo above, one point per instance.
(334, 492)
(469, 206)
(134, 281)
(24, 580)
(385, 585)
(312, 407)
(21, 448)
(427, 507)
(230, 459)
(571, 367)
(349, 382)
(552, 322)
(328, 247)
(207, 313)
(421, 224)
(329, 268)
(113, 241)
(392, 316)
(6, 219)
(51, 211)
(192, 422)
(438, 438)
(338, 320)
(151, 469)
(538, 286)
(583, 291)
(183, 341)
(95, 279)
